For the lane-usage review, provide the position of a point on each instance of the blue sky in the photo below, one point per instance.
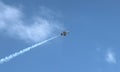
(91, 46)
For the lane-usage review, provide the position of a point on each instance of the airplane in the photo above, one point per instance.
(64, 33)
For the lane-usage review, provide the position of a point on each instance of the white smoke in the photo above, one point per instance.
(14, 24)
(7, 58)
(111, 57)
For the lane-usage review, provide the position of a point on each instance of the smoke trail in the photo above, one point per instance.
(7, 58)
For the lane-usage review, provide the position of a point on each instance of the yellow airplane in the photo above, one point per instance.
(64, 33)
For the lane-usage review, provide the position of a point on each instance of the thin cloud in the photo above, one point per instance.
(12, 23)
(110, 57)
